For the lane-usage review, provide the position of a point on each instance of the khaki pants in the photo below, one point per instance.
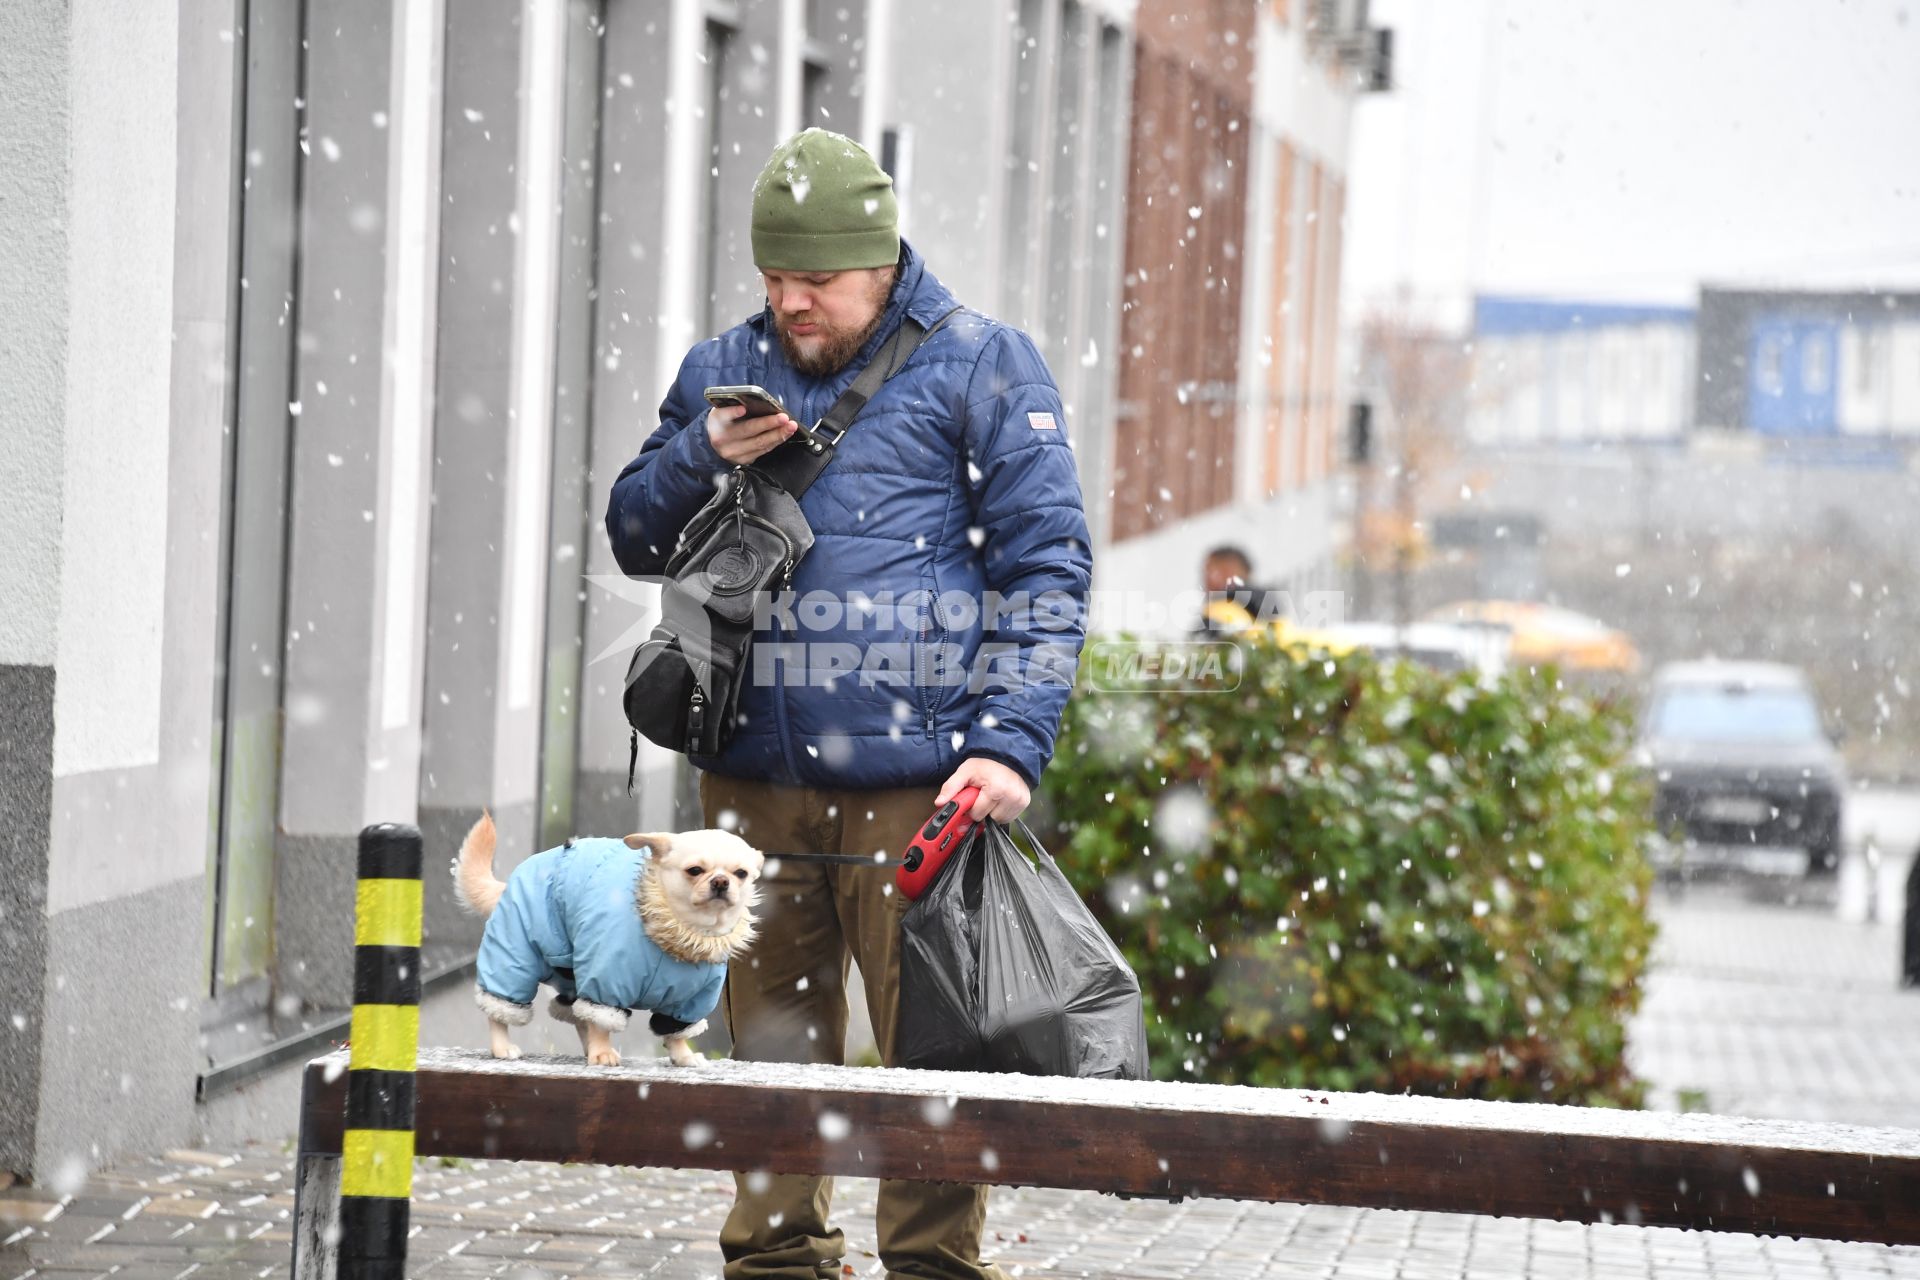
(786, 1002)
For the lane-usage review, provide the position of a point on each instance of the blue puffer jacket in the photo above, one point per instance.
(956, 478)
(567, 918)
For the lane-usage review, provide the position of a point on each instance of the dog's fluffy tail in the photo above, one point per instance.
(474, 884)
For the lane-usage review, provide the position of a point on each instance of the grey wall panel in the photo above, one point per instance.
(122, 1043)
(313, 918)
(26, 800)
(450, 933)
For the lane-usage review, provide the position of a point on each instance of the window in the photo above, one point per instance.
(254, 526)
(719, 49)
(814, 111)
(814, 108)
(1873, 346)
(1736, 714)
(1768, 371)
(833, 65)
(1816, 364)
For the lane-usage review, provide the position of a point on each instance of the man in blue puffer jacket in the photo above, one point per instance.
(937, 626)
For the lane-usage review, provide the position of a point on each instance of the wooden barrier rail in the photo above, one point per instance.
(1146, 1139)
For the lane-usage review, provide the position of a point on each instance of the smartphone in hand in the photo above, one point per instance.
(760, 403)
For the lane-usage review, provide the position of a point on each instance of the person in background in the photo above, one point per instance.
(1233, 603)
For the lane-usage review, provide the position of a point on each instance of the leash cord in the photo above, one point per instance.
(846, 859)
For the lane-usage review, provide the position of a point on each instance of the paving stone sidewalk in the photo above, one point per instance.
(1763, 1008)
(1756, 1006)
(224, 1217)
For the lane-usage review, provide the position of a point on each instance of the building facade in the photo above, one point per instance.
(1778, 365)
(327, 326)
(1810, 365)
(1230, 381)
(1561, 372)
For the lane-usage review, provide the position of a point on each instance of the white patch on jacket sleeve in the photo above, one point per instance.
(1042, 422)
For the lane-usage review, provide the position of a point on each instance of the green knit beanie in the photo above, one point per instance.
(822, 204)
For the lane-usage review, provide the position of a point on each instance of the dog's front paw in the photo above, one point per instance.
(603, 1056)
(507, 1051)
(681, 1054)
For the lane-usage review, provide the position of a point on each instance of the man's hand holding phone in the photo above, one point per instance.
(747, 422)
(740, 439)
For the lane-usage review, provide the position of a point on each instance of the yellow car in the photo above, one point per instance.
(1541, 634)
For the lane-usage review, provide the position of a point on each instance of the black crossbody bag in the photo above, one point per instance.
(683, 684)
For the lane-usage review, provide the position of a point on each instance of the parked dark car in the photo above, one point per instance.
(1742, 766)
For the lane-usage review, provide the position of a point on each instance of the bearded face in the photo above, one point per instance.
(823, 318)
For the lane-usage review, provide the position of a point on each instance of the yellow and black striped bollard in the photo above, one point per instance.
(376, 1174)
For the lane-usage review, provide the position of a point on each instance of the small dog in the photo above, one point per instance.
(648, 922)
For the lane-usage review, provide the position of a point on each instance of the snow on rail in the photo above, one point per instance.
(1336, 1112)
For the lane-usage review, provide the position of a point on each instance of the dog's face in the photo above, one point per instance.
(709, 878)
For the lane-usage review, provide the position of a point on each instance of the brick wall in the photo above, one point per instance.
(1186, 249)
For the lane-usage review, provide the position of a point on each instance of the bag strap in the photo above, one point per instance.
(796, 464)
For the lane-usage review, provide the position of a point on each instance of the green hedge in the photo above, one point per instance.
(1349, 874)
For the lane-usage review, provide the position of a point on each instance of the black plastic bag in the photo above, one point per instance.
(1003, 968)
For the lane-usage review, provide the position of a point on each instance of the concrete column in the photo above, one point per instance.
(359, 503)
(115, 145)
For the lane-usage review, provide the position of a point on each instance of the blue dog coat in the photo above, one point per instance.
(568, 918)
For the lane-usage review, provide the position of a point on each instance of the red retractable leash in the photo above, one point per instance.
(932, 845)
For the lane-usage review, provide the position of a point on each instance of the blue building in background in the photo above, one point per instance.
(1794, 364)
(1572, 372)
(1774, 363)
